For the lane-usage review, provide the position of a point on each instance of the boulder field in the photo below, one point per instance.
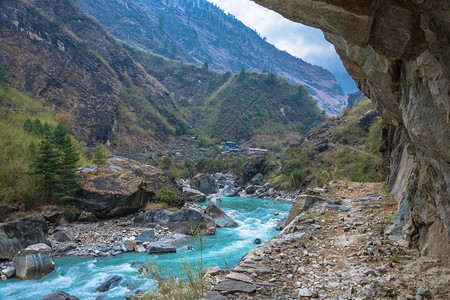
(398, 52)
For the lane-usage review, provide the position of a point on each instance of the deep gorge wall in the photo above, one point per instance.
(399, 54)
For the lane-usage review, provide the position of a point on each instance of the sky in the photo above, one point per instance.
(298, 40)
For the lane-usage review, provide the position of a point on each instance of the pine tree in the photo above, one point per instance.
(67, 165)
(56, 161)
(46, 164)
(99, 157)
(28, 126)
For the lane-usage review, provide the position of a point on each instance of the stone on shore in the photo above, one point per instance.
(19, 234)
(128, 245)
(87, 217)
(60, 296)
(301, 204)
(9, 272)
(33, 262)
(146, 236)
(219, 216)
(229, 286)
(139, 247)
(62, 249)
(204, 183)
(193, 195)
(62, 236)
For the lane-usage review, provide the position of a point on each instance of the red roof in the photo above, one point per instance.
(254, 149)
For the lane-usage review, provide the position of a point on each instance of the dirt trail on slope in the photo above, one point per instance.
(336, 250)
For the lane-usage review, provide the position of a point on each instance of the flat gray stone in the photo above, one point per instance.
(214, 296)
(239, 277)
(229, 286)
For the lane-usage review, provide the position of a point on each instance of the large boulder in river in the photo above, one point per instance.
(19, 234)
(218, 215)
(123, 186)
(33, 262)
(193, 195)
(205, 183)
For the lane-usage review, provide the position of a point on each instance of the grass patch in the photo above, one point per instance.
(156, 205)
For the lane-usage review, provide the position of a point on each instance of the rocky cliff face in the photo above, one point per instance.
(62, 57)
(399, 54)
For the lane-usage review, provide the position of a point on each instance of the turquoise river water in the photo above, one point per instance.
(80, 276)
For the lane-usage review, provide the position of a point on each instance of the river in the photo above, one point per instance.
(80, 276)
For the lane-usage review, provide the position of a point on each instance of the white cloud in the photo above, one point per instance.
(299, 40)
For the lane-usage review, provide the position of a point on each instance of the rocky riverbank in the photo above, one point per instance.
(335, 248)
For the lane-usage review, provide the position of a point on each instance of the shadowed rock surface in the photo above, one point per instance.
(19, 234)
(398, 52)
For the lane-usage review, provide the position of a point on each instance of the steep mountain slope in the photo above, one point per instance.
(65, 59)
(346, 147)
(129, 23)
(234, 106)
(209, 35)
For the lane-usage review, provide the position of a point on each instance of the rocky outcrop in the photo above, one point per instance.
(33, 262)
(255, 165)
(123, 186)
(221, 218)
(399, 54)
(192, 195)
(366, 120)
(354, 98)
(205, 183)
(186, 221)
(19, 234)
(191, 221)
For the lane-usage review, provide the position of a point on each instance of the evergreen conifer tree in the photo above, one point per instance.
(56, 161)
(67, 165)
(99, 157)
(46, 164)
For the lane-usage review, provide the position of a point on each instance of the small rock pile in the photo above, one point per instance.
(104, 238)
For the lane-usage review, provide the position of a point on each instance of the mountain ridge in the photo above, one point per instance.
(224, 43)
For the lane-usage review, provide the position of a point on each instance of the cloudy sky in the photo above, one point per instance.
(301, 41)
